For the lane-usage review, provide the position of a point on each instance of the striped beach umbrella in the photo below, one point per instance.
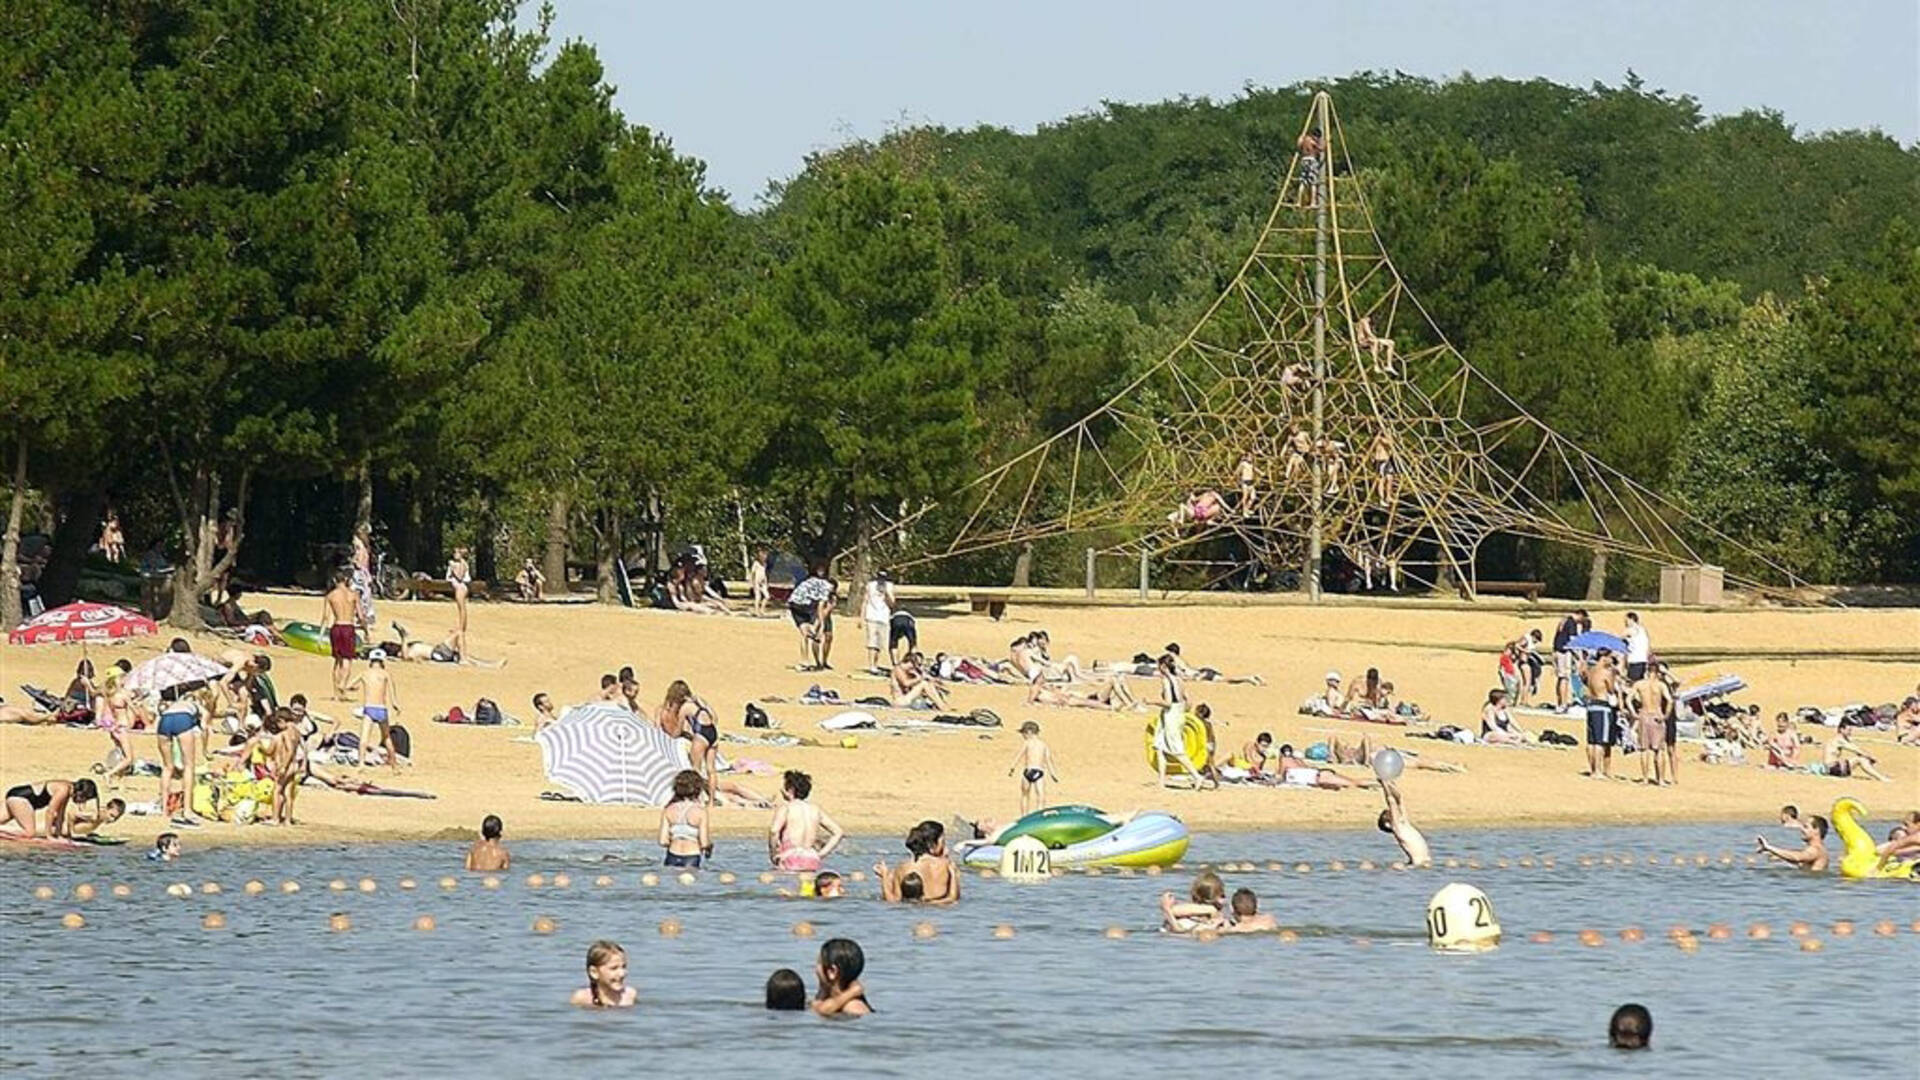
(605, 754)
(171, 669)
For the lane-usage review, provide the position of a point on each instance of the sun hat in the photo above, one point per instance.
(1333, 676)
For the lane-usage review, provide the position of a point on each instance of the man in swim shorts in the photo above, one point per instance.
(381, 701)
(1602, 685)
(1652, 703)
(801, 834)
(341, 611)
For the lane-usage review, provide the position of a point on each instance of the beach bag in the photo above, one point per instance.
(402, 741)
(757, 717)
(487, 713)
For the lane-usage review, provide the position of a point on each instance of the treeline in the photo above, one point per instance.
(274, 274)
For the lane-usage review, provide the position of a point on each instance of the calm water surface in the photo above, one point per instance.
(144, 991)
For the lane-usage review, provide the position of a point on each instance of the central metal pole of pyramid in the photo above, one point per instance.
(1322, 187)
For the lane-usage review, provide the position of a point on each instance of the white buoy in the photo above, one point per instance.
(1026, 859)
(1460, 917)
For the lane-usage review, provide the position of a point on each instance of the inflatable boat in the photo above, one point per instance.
(1084, 836)
(312, 638)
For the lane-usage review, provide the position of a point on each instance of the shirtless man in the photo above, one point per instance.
(1652, 701)
(1602, 685)
(488, 855)
(1299, 446)
(379, 702)
(801, 834)
(912, 685)
(341, 612)
(1813, 856)
(1394, 820)
(1247, 917)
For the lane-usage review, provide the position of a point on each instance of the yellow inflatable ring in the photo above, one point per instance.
(1860, 860)
(1193, 736)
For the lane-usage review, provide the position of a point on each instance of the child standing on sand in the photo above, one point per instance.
(757, 581)
(488, 854)
(606, 979)
(379, 701)
(1034, 759)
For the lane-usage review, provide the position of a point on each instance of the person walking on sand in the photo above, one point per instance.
(876, 614)
(340, 618)
(1034, 759)
(378, 705)
(1652, 704)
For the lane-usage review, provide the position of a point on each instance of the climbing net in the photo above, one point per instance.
(1316, 396)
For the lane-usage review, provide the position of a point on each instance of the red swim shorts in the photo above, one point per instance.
(340, 639)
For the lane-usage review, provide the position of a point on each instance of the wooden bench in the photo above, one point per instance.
(1529, 589)
(994, 604)
(438, 588)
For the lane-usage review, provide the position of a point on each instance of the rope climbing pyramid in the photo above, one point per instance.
(1316, 406)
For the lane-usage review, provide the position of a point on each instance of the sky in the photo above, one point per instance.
(751, 88)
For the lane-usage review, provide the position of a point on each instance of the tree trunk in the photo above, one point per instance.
(856, 591)
(1597, 577)
(485, 550)
(416, 524)
(363, 504)
(200, 525)
(606, 588)
(1023, 567)
(60, 583)
(554, 562)
(10, 547)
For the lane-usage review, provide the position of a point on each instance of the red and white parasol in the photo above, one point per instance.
(82, 622)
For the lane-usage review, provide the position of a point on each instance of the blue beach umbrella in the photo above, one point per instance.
(605, 754)
(1595, 640)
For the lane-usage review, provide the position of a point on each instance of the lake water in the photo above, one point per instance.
(143, 990)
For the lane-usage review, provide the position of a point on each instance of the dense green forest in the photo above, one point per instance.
(277, 273)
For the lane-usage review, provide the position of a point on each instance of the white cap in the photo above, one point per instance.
(1333, 676)
(377, 655)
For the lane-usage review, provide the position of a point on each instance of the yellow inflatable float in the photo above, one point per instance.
(1193, 736)
(1861, 860)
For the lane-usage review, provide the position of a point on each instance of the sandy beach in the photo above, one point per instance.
(890, 780)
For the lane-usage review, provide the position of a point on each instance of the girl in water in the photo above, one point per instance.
(838, 971)
(683, 824)
(606, 979)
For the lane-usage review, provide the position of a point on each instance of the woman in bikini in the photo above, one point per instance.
(460, 577)
(24, 803)
(683, 824)
(684, 716)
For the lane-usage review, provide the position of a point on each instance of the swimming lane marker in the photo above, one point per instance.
(1025, 859)
(1461, 918)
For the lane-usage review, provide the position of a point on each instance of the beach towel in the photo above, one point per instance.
(850, 720)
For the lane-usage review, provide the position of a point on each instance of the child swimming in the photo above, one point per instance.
(1247, 918)
(786, 991)
(838, 972)
(606, 979)
(1203, 909)
(166, 848)
(488, 854)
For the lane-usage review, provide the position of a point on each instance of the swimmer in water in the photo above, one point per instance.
(166, 848)
(1034, 759)
(786, 990)
(1631, 1028)
(488, 854)
(1813, 856)
(606, 979)
(1205, 907)
(838, 971)
(1394, 820)
(1247, 918)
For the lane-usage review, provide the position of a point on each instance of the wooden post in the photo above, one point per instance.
(1089, 573)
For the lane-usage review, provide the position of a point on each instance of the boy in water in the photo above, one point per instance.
(1034, 759)
(166, 848)
(488, 854)
(379, 701)
(1246, 915)
(1789, 816)
(801, 834)
(786, 991)
(1394, 820)
(1813, 856)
